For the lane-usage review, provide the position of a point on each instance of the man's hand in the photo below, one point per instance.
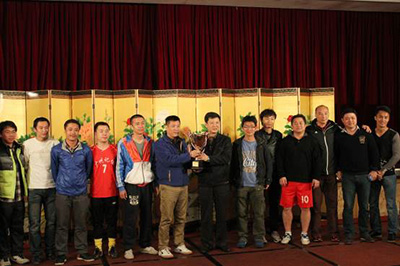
(123, 195)
(367, 128)
(266, 187)
(283, 181)
(315, 183)
(339, 175)
(374, 175)
(195, 153)
(157, 190)
(203, 157)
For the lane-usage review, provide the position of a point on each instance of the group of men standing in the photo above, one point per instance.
(296, 170)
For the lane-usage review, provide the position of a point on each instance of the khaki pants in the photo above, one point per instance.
(173, 208)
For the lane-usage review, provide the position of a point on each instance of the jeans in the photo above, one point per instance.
(389, 185)
(352, 185)
(38, 198)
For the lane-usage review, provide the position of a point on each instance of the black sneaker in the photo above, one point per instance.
(391, 237)
(348, 240)
(60, 260)
(51, 256)
(113, 252)
(85, 257)
(97, 254)
(374, 234)
(36, 260)
(367, 238)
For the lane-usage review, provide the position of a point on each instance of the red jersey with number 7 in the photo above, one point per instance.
(103, 179)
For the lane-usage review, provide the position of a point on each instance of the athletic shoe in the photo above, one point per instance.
(391, 237)
(113, 252)
(149, 250)
(367, 238)
(97, 253)
(129, 254)
(242, 243)
(5, 262)
(287, 238)
(85, 257)
(60, 260)
(165, 253)
(305, 240)
(276, 237)
(19, 259)
(182, 249)
(259, 243)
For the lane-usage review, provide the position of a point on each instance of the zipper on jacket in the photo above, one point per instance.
(327, 154)
(169, 176)
(143, 173)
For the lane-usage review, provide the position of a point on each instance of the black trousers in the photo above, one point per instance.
(105, 210)
(274, 196)
(139, 200)
(12, 220)
(211, 196)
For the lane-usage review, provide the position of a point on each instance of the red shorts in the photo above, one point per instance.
(297, 193)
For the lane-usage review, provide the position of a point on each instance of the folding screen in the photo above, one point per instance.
(13, 107)
(82, 110)
(124, 107)
(103, 105)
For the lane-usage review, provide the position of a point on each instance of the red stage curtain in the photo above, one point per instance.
(78, 46)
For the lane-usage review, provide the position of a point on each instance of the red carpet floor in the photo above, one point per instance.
(379, 253)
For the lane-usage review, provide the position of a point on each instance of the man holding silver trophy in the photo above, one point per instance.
(212, 167)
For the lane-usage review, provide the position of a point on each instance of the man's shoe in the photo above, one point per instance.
(223, 248)
(367, 238)
(259, 243)
(374, 234)
(36, 260)
(335, 238)
(128, 255)
(97, 254)
(5, 262)
(113, 252)
(149, 250)
(60, 260)
(287, 238)
(391, 237)
(348, 241)
(85, 257)
(51, 256)
(317, 238)
(165, 253)
(276, 237)
(19, 259)
(182, 249)
(241, 243)
(305, 240)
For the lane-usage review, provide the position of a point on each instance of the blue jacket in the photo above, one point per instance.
(71, 170)
(131, 168)
(170, 162)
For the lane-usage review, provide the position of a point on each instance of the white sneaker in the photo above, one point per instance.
(276, 237)
(5, 262)
(165, 253)
(149, 250)
(286, 239)
(305, 240)
(128, 255)
(19, 259)
(182, 249)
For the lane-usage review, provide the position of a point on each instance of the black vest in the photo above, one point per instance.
(385, 148)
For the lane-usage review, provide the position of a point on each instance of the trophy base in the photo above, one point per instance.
(197, 166)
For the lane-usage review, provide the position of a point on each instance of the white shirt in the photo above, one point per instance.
(38, 162)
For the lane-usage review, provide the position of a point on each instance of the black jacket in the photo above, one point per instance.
(325, 140)
(299, 160)
(216, 170)
(264, 163)
(272, 141)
